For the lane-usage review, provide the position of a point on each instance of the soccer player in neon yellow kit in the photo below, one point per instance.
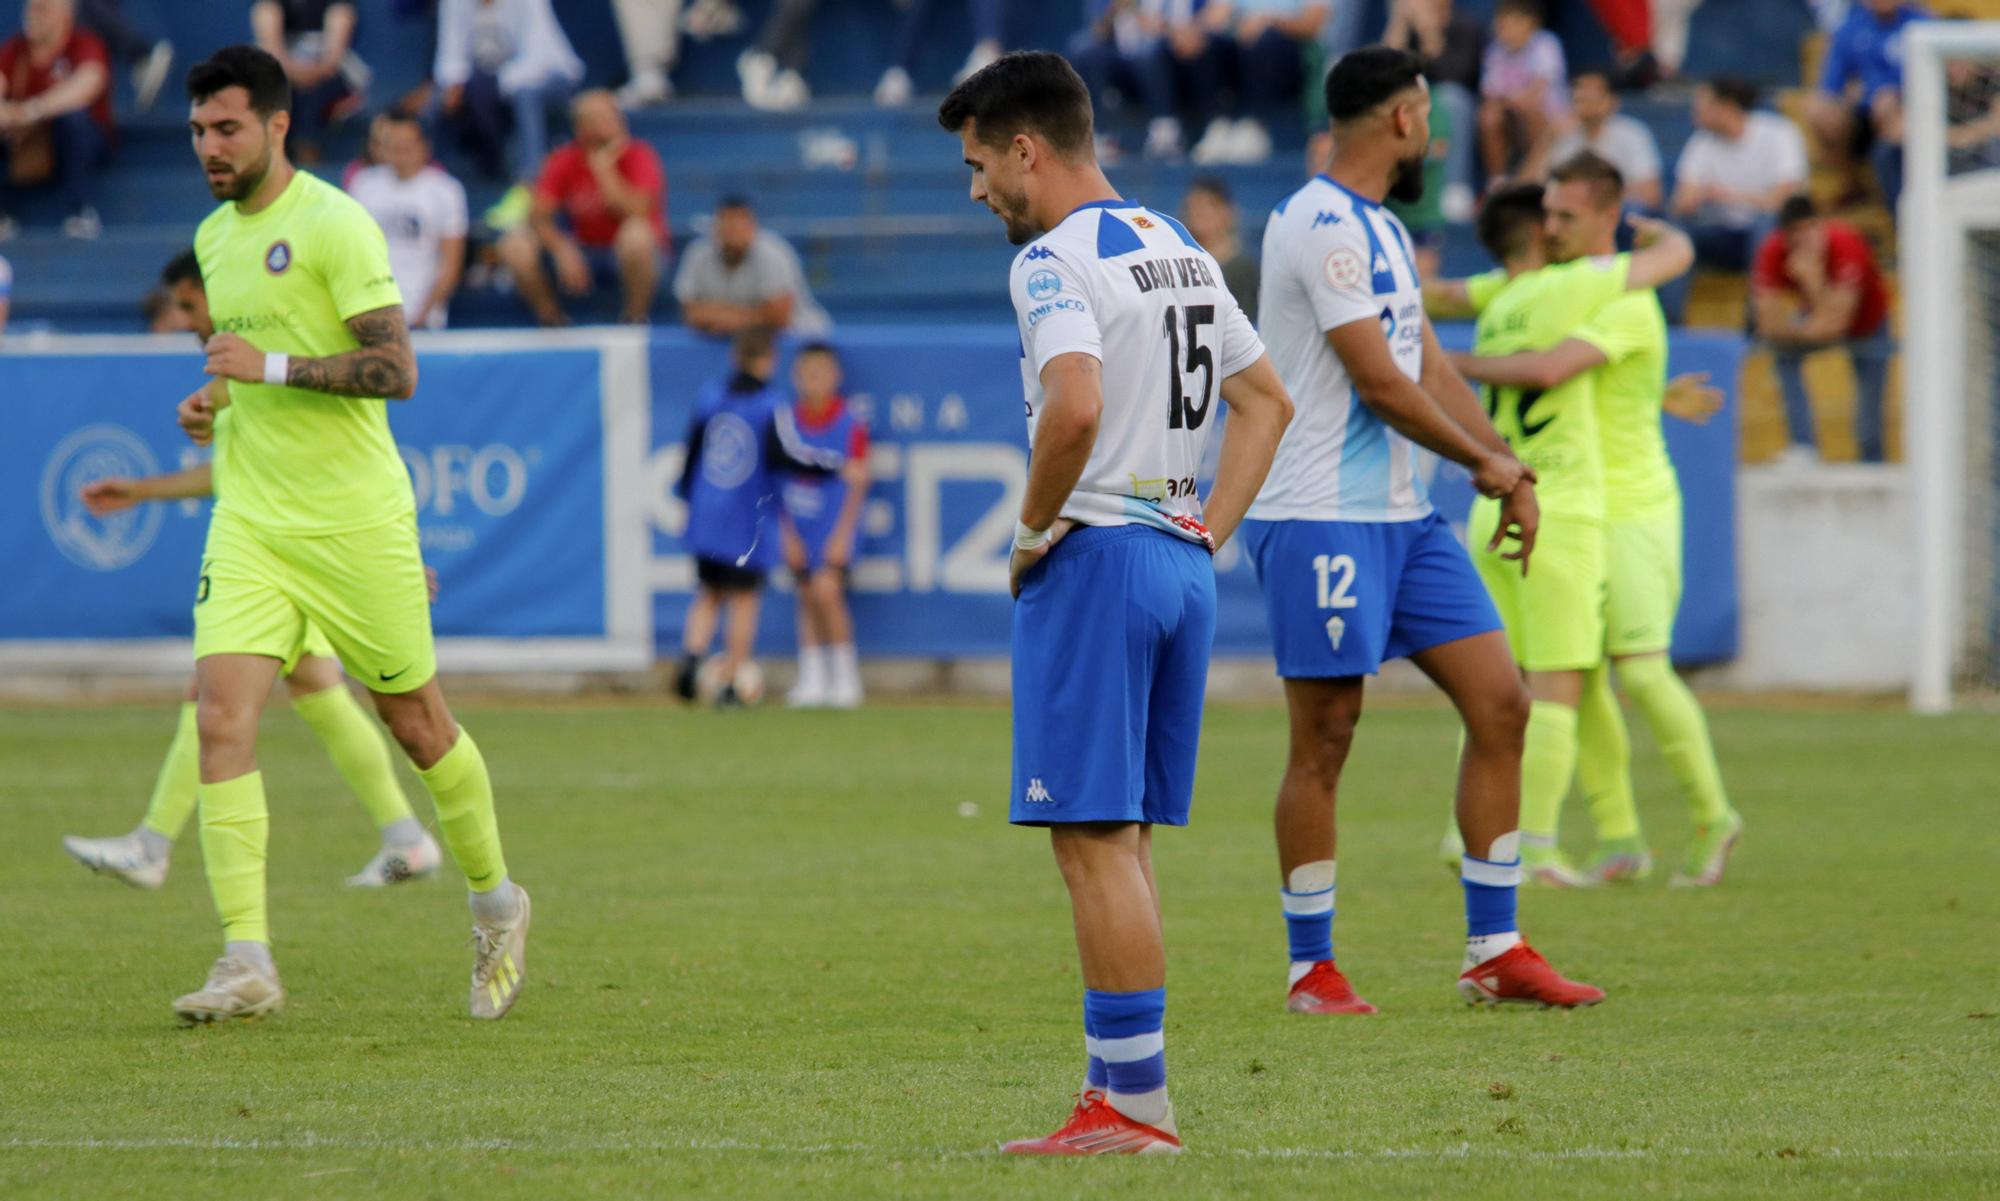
(355, 744)
(1554, 615)
(1624, 347)
(316, 521)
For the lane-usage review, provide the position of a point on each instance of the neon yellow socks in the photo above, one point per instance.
(463, 793)
(1548, 760)
(1681, 730)
(235, 826)
(1604, 759)
(355, 743)
(180, 773)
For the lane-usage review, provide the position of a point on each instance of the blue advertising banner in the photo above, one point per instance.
(950, 459)
(506, 455)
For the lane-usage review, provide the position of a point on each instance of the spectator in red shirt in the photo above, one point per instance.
(599, 214)
(1815, 285)
(55, 112)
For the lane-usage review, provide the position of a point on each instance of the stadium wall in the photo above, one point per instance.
(544, 467)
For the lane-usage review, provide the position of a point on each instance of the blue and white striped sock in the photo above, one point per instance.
(1309, 916)
(1094, 1075)
(1490, 886)
(1126, 1034)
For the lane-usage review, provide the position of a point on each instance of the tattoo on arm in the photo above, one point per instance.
(383, 365)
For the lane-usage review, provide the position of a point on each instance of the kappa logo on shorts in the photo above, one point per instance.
(1038, 795)
(278, 257)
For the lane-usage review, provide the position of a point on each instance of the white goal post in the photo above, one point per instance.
(1946, 226)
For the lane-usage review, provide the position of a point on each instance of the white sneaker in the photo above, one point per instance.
(645, 90)
(1458, 204)
(393, 865)
(499, 963)
(982, 56)
(788, 93)
(235, 989)
(809, 693)
(1796, 457)
(1251, 145)
(83, 225)
(124, 857)
(1215, 143)
(755, 70)
(895, 89)
(844, 694)
(1163, 138)
(151, 74)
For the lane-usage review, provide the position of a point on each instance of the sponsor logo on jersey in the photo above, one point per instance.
(1068, 304)
(1044, 284)
(278, 257)
(93, 453)
(1342, 268)
(1185, 272)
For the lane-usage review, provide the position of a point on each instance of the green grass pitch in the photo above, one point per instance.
(774, 957)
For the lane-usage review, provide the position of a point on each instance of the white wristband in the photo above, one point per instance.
(1028, 538)
(277, 368)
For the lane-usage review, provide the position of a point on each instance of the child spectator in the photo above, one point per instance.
(819, 516)
(1524, 89)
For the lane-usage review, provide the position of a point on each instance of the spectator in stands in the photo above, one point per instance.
(1270, 41)
(6, 293)
(610, 190)
(1734, 173)
(1124, 50)
(651, 31)
(989, 33)
(55, 112)
(422, 212)
(500, 64)
(1816, 285)
(149, 58)
(772, 71)
(1211, 216)
(1524, 93)
(1623, 141)
(1858, 110)
(742, 277)
(314, 39)
(1451, 46)
(1972, 115)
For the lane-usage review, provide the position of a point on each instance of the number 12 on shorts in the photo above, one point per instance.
(1335, 577)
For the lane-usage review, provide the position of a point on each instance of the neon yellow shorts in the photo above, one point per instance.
(262, 594)
(1555, 614)
(1642, 583)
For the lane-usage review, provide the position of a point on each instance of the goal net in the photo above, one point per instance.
(1948, 231)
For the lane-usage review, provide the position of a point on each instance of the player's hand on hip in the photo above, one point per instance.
(1520, 519)
(1692, 398)
(1497, 475)
(1021, 561)
(107, 496)
(196, 415)
(230, 357)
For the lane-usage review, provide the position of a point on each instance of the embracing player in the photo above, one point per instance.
(315, 521)
(1127, 335)
(1356, 566)
(1622, 352)
(312, 678)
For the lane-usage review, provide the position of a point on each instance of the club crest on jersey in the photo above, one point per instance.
(278, 257)
(1144, 222)
(1342, 268)
(1044, 284)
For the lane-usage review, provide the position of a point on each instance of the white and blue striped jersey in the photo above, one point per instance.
(1132, 288)
(1331, 258)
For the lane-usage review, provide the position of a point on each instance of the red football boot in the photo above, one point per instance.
(1520, 976)
(1097, 1129)
(1325, 990)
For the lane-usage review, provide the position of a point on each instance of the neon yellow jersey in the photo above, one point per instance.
(1481, 289)
(1639, 479)
(1555, 431)
(287, 280)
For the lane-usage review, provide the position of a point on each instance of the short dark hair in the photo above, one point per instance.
(182, 268)
(752, 344)
(1797, 208)
(1511, 217)
(735, 200)
(1364, 79)
(1532, 9)
(818, 347)
(1598, 73)
(399, 117)
(1731, 89)
(1214, 185)
(246, 67)
(1027, 91)
(1606, 181)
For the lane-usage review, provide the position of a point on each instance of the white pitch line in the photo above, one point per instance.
(1464, 1152)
